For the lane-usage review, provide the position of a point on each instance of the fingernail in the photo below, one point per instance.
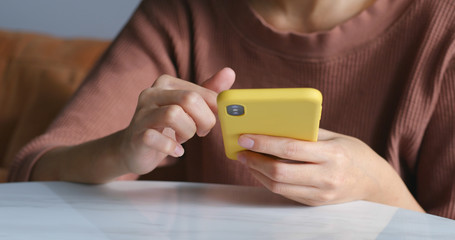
(179, 150)
(246, 142)
(203, 134)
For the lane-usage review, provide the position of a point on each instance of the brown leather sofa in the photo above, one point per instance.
(38, 74)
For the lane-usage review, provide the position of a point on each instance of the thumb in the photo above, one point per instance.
(222, 80)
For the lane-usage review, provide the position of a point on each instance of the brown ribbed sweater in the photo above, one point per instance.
(387, 76)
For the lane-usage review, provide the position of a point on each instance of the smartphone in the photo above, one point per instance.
(284, 112)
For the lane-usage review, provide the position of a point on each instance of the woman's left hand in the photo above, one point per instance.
(337, 168)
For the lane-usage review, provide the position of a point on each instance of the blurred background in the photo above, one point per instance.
(67, 18)
(47, 48)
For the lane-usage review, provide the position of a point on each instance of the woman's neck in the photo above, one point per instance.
(306, 16)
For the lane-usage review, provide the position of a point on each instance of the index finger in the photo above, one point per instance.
(209, 89)
(172, 83)
(285, 148)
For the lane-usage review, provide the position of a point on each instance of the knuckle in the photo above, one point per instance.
(163, 81)
(340, 154)
(338, 149)
(144, 95)
(337, 152)
(325, 197)
(172, 113)
(332, 182)
(277, 188)
(149, 137)
(278, 173)
(290, 150)
(190, 98)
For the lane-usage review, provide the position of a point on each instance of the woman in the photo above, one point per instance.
(386, 70)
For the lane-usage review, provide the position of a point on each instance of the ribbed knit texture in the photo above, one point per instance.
(387, 77)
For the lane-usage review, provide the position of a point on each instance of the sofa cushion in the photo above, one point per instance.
(38, 74)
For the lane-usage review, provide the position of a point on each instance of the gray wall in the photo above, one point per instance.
(67, 18)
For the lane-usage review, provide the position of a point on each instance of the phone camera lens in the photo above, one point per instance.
(235, 110)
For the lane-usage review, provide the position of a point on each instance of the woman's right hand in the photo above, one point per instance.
(168, 114)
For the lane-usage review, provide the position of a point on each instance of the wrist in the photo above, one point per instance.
(391, 189)
(96, 161)
(119, 151)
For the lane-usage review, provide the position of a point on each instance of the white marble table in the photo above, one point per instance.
(173, 210)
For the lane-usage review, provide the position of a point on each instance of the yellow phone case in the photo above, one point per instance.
(284, 112)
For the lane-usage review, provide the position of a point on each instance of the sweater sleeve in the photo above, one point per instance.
(436, 164)
(106, 101)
